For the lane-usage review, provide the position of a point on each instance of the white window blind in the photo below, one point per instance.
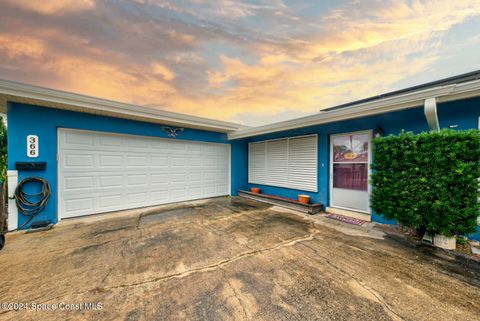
(257, 162)
(288, 162)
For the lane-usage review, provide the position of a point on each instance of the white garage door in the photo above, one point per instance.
(102, 172)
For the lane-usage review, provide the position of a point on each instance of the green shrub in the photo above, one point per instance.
(428, 181)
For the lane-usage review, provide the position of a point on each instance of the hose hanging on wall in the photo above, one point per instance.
(32, 204)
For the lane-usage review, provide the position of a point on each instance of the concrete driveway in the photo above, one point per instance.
(228, 259)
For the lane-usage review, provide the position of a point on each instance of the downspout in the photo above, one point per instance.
(430, 107)
(431, 114)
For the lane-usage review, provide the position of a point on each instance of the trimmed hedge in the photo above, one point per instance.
(428, 181)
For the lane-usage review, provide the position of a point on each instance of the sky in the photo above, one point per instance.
(251, 62)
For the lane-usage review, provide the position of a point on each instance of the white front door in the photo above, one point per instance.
(350, 157)
(101, 172)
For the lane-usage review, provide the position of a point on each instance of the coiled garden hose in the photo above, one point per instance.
(32, 204)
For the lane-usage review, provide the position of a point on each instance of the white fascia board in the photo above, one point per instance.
(389, 104)
(10, 89)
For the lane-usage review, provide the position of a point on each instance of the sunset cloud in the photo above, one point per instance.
(163, 71)
(254, 62)
(53, 6)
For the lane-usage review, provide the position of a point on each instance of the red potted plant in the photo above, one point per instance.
(256, 190)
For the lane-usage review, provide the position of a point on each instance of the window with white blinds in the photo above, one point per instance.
(288, 162)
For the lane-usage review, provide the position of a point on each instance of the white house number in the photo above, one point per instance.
(32, 146)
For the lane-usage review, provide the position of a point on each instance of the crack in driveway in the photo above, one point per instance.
(235, 294)
(387, 307)
(219, 264)
(207, 268)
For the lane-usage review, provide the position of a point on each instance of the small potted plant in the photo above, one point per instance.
(305, 199)
(256, 190)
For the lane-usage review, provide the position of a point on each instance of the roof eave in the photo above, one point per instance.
(24, 93)
(389, 104)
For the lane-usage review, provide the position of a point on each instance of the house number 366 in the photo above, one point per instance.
(32, 146)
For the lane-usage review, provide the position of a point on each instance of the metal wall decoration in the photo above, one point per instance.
(172, 132)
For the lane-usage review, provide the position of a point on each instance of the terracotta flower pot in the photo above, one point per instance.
(256, 190)
(305, 199)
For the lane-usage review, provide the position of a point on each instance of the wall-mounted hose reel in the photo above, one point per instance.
(31, 204)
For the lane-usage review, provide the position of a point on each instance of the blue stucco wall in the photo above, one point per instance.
(462, 114)
(239, 155)
(24, 120)
(392, 123)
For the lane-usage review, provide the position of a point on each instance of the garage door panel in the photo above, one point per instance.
(78, 138)
(160, 178)
(220, 179)
(136, 141)
(209, 189)
(195, 177)
(178, 162)
(137, 179)
(110, 141)
(75, 183)
(136, 198)
(210, 176)
(178, 192)
(109, 201)
(111, 181)
(79, 204)
(195, 162)
(77, 160)
(159, 196)
(195, 191)
(100, 172)
(160, 161)
(137, 161)
(195, 149)
(178, 178)
(110, 161)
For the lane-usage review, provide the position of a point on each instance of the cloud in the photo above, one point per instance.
(231, 60)
(17, 47)
(54, 6)
(126, 82)
(163, 71)
(351, 29)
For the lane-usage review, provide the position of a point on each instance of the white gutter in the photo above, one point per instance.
(389, 104)
(430, 107)
(24, 93)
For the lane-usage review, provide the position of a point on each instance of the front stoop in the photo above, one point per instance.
(283, 202)
(358, 215)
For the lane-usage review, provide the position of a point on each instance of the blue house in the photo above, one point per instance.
(102, 156)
